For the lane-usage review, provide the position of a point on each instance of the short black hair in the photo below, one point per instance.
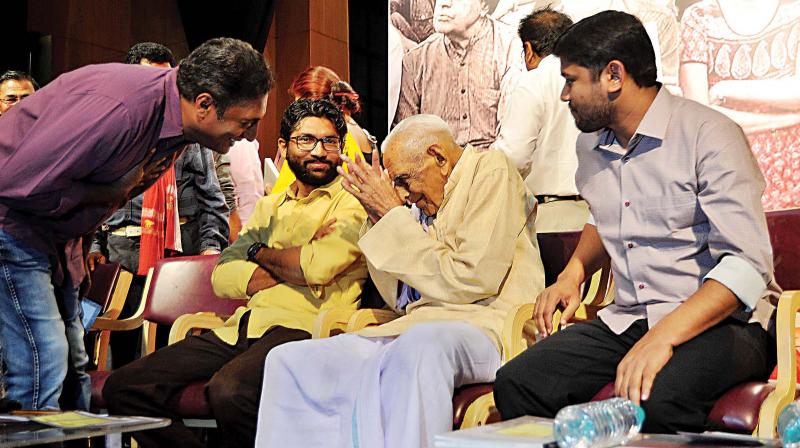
(230, 70)
(306, 107)
(597, 40)
(15, 75)
(152, 51)
(542, 28)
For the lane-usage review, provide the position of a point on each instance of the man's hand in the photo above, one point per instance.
(142, 176)
(638, 369)
(326, 229)
(371, 186)
(210, 252)
(132, 183)
(564, 294)
(260, 280)
(95, 258)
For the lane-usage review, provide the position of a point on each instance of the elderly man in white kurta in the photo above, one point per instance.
(453, 266)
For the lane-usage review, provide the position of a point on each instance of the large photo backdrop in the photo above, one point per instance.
(738, 56)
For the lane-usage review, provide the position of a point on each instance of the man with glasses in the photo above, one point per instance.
(296, 256)
(14, 86)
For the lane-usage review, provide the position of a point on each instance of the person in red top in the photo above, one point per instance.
(77, 150)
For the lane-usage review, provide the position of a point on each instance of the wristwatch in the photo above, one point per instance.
(252, 251)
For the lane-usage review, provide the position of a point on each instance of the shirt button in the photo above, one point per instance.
(630, 245)
(464, 116)
(627, 203)
(462, 64)
(641, 286)
(463, 90)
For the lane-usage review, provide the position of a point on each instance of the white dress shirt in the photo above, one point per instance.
(538, 132)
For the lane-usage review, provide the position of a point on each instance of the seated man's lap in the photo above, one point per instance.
(572, 365)
(565, 368)
(702, 370)
(461, 347)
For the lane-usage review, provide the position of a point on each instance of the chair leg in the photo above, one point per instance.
(479, 412)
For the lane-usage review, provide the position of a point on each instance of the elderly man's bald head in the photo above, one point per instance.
(413, 136)
(419, 154)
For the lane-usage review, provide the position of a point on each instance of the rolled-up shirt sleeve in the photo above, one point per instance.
(730, 189)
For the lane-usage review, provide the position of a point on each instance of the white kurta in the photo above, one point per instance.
(353, 391)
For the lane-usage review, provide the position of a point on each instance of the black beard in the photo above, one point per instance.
(593, 118)
(305, 175)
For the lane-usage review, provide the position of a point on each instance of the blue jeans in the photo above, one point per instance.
(40, 341)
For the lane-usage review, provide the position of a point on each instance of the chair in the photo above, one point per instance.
(174, 288)
(109, 288)
(473, 404)
(753, 407)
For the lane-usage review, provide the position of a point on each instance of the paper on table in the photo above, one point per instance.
(80, 419)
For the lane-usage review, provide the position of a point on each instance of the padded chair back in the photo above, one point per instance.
(104, 280)
(784, 234)
(556, 249)
(182, 285)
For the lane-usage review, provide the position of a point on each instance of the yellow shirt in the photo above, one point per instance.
(333, 265)
(286, 176)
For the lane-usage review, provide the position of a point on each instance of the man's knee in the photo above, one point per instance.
(225, 397)
(114, 389)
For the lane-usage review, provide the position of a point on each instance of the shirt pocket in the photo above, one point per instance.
(673, 221)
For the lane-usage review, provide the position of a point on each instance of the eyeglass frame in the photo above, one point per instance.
(14, 99)
(316, 141)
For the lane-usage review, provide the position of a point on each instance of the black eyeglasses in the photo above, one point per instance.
(309, 142)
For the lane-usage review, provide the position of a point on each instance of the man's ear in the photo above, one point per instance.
(204, 106)
(615, 74)
(282, 147)
(440, 158)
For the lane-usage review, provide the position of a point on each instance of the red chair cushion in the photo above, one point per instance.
(191, 402)
(735, 411)
(465, 396)
(98, 381)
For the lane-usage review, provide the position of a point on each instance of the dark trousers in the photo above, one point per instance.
(234, 374)
(572, 365)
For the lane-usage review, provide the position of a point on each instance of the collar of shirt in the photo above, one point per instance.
(457, 51)
(650, 132)
(331, 189)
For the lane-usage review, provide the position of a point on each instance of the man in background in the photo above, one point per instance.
(538, 133)
(463, 73)
(14, 86)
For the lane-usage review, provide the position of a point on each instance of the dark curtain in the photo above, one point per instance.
(248, 20)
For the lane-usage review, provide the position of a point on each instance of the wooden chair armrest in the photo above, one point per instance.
(514, 340)
(104, 323)
(199, 321)
(786, 386)
(120, 294)
(366, 317)
(479, 411)
(329, 320)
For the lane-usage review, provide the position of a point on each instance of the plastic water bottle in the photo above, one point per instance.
(789, 426)
(598, 424)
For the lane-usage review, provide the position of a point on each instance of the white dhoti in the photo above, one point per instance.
(353, 391)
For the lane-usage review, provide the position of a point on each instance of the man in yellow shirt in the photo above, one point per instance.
(297, 255)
